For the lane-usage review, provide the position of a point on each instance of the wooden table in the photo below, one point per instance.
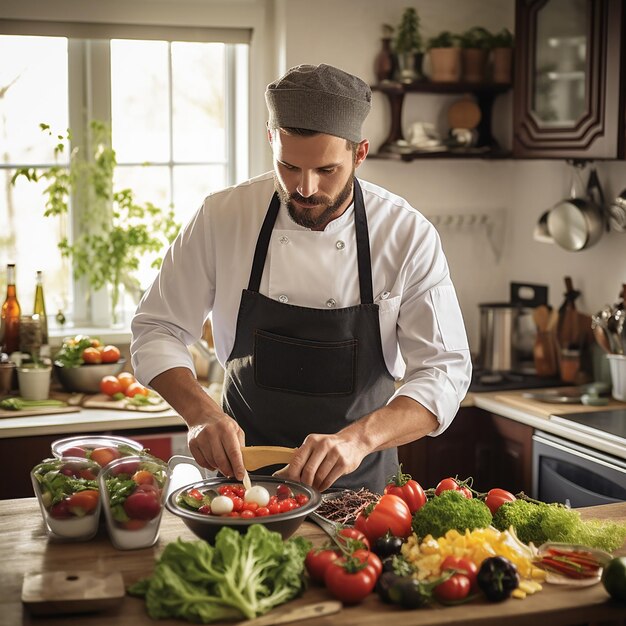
(25, 547)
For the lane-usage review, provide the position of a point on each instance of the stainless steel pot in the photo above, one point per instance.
(578, 223)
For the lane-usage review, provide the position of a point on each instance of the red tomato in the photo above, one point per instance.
(497, 497)
(126, 379)
(466, 491)
(103, 456)
(142, 505)
(75, 451)
(92, 355)
(237, 503)
(262, 511)
(274, 508)
(447, 484)
(109, 385)
(389, 514)
(372, 560)
(455, 588)
(250, 506)
(354, 534)
(302, 499)
(349, 587)
(144, 477)
(317, 561)
(60, 510)
(462, 566)
(247, 514)
(134, 389)
(110, 354)
(403, 486)
(286, 505)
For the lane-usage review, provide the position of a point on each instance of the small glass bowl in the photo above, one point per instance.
(133, 493)
(99, 448)
(70, 508)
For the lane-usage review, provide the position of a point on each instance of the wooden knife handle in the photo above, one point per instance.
(299, 613)
(262, 456)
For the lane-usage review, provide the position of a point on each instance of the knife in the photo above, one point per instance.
(262, 456)
(299, 613)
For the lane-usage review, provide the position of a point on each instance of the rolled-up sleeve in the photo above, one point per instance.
(432, 336)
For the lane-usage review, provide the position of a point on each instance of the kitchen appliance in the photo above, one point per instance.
(508, 331)
(574, 474)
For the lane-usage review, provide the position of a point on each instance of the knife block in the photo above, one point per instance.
(546, 354)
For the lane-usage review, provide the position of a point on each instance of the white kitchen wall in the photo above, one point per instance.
(347, 33)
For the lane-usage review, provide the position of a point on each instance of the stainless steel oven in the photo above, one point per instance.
(564, 471)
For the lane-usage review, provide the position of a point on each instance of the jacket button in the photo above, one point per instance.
(330, 303)
(284, 239)
(340, 245)
(283, 299)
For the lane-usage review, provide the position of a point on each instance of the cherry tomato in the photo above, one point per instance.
(497, 497)
(350, 587)
(286, 505)
(455, 588)
(134, 389)
(316, 562)
(466, 491)
(354, 534)
(75, 451)
(447, 484)
(103, 456)
(109, 385)
(463, 566)
(302, 499)
(389, 514)
(250, 506)
(126, 379)
(83, 502)
(60, 510)
(262, 511)
(142, 505)
(247, 514)
(273, 508)
(403, 486)
(237, 503)
(92, 356)
(110, 354)
(283, 492)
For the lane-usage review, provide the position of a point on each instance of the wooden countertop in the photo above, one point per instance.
(25, 547)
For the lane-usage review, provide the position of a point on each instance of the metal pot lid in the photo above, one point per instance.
(568, 226)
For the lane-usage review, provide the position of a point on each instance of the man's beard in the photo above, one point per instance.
(303, 215)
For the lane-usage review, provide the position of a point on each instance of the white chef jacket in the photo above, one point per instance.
(205, 269)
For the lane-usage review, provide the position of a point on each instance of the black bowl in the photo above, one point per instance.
(207, 526)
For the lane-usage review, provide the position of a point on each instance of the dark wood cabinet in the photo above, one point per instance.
(493, 450)
(570, 79)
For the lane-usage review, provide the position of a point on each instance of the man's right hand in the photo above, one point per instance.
(215, 439)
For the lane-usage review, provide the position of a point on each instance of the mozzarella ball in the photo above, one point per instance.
(257, 494)
(221, 505)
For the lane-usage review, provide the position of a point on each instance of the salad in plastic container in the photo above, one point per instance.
(133, 491)
(68, 493)
(99, 448)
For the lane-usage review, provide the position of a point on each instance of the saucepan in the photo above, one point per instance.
(578, 223)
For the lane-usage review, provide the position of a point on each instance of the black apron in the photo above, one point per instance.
(296, 370)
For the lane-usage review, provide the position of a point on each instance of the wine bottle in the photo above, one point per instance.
(10, 316)
(40, 308)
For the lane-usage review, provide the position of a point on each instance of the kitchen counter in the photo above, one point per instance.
(25, 548)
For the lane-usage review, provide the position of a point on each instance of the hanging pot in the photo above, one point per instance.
(578, 223)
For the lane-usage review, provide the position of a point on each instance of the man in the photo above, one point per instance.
(318, 300)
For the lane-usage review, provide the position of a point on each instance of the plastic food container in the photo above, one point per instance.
(99, 448)
(133, 492)
(68, 494)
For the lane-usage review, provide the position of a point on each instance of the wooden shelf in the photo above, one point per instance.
(484, 93)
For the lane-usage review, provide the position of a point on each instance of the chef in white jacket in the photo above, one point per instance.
(323, 290)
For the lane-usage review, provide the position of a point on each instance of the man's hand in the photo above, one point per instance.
(322, 459)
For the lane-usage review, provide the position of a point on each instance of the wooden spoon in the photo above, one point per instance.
(296, 614)
(262, 456)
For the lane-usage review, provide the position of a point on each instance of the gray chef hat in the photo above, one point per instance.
(321, 98)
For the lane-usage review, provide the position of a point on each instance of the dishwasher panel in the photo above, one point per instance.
(566, 472)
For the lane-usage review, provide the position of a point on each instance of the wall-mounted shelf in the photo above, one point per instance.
(396, 147)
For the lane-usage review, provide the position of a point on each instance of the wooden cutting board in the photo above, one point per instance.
(102, 401)
(39, 411)
(545, 409)
(72, 591)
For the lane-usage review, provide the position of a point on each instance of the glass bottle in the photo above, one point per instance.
(11, 311)
(40, 308)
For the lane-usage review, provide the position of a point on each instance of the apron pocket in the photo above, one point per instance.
(301, 366)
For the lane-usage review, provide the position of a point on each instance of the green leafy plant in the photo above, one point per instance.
(502, 39)
(116, 231)
(408, 37)
(477, 37)
(445, 39)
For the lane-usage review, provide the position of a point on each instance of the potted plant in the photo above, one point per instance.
(116, 230)
(475, 44)
(408, 46)
(502, 56)
(445, 57)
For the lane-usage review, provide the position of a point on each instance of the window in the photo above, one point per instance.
(178, 116)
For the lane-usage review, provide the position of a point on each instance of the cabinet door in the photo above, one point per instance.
(568, 99)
